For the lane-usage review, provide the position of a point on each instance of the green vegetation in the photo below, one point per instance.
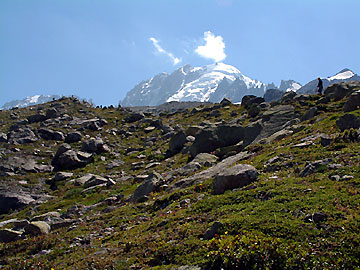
(265, 224)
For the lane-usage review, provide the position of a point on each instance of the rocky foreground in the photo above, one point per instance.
(252, 186)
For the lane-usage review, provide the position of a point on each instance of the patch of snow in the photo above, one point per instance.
(342, 75)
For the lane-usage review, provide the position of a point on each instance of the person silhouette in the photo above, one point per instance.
(320, 86)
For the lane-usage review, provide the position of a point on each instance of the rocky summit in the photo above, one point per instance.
(261, 185)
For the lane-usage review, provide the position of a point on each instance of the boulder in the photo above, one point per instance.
(95, 145)
(13, 200)
(68, 159)
(340, 90)
(151, 184)
(48, 134)
(37, 228)
(51, 113)
(225, 101)
(309, 114)
(216, 228)
(7, 235)
(208, 140)
(23, 164)
(133, 117)
(73, 137)
(36, 118)
(205, 159)
(278, 135)
(3, 137)
(96, 180)
(21, 135)
(177, 142)
(288, 96)
(317, 217)
(353, 102)
(234, 177)
(249, 100)
(348, 121)
(273, 95)
(60, 176)
(193, 130)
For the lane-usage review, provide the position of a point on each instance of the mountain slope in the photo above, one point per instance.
(29, 101)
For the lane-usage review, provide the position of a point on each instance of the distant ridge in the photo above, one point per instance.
(29, 101)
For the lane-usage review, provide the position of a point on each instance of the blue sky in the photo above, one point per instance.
(100, 49)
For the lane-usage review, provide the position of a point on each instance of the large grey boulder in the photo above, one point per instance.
(133, 117)
(22, 164)
(68, 159)
(348, 121)
(208, 140)
(95, 145)
(340, 90)
(234, 177)
(48, 134)
(353, 102)
(21, 135)
(12, 200)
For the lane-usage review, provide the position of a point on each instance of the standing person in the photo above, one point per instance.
(320, 86)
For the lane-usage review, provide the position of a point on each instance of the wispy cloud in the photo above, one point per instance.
(213, 49)
(159, 49)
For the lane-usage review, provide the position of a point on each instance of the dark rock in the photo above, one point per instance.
(36, 118)
(288, 96)
(353, 102)
(51, 113)
(3, 137)
(96, 180)
(273, 95)
(177, 142)
(68, 159)
(133, 117)
(73, 137)
(225, 101)
(216, 228)
(23, 164)
(151, 184)
(312, 167)
(325, 140)
(21, 135)
(249, 100)
(95, 145)
(208, 140)
(37, 228)
(309, 114)
(13, 200)
(234, 177)
(193, 130)
(48, 134)
(340, 90)
(316, 217)
(348, 121)
(61, 176)
(7, 235)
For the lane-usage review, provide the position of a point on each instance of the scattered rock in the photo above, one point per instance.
(234, 177)
(340, 90)
(325, 140)
(316, 217)
(225, 101)
(21, 135)
(353, 102)
(133, 117)
(348, 121)
(95, 145)
(36, 118)
(7, 235)
(309, 114)
(37, 228)
(177, 142)
(216, 228)
(73, 137)
(68, 159)
(151, 184)
(3, 137)
(48, 134)
(13, 201)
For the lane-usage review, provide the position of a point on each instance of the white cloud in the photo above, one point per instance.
(174, 59)
(213, 48)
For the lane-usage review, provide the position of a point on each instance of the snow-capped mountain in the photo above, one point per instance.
(208, 83)
(342, 76)
(29, 101)
(289, 85)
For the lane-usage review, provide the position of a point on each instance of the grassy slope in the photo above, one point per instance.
(264, 225)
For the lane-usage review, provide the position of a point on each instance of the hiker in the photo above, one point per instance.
(320, 86)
